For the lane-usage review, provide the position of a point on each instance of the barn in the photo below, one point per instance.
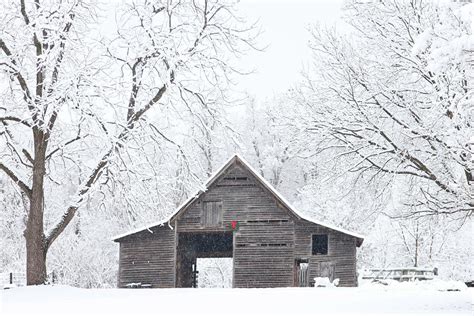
(238, 215)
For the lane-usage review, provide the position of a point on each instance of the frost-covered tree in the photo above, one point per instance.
(215, 272)
(392, 100)
(12, 220)
(268, 137)
(75, 103)
(310, 180)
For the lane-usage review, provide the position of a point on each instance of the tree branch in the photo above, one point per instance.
(23, 12)
(78, 137)
(25, 188)
(18, 75)
(67, 217)
(15, 119)
(97, 171)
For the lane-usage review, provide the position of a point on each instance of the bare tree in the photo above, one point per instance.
(72, 101)
(391, 100)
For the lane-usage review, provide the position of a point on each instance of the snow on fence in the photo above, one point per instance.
(12, 278)
(400, 274)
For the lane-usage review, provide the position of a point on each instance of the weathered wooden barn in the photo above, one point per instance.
(238, 215)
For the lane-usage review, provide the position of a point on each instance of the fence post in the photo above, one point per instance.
(11, 277)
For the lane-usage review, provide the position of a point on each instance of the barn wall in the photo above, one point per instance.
(341, 257)
(264, 255)
(148, 258)
(264, 243)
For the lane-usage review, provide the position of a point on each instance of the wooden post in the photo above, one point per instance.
(11, 277)
(195, 273)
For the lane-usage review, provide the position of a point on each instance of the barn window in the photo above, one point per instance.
(320, 244)
(262, 245)
(279, 221)
(211, 213)
(237, 178)
(237, 181)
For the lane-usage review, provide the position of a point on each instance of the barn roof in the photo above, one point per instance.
(265, 183)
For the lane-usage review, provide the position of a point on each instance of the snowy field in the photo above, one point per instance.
(62, 300)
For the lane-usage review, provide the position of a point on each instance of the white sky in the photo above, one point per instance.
(284, 24)
(284, 34)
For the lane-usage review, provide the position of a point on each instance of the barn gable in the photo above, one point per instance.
(234, 195)
(239, 177)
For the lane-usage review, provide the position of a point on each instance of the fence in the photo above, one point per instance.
(14, 278)
(400, 274)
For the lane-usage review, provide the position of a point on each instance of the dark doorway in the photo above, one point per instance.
(199, 245)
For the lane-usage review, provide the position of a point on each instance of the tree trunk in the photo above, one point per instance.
(35, 240)
(35, 259)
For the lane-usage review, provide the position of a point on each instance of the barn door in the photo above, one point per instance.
(301, 273)
(327, 270)
(211, 214)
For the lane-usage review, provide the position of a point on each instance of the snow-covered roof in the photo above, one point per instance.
(262, 180)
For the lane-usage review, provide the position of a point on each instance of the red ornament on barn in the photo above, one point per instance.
(234, 225)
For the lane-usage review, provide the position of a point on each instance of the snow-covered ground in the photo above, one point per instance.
(63, 300)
